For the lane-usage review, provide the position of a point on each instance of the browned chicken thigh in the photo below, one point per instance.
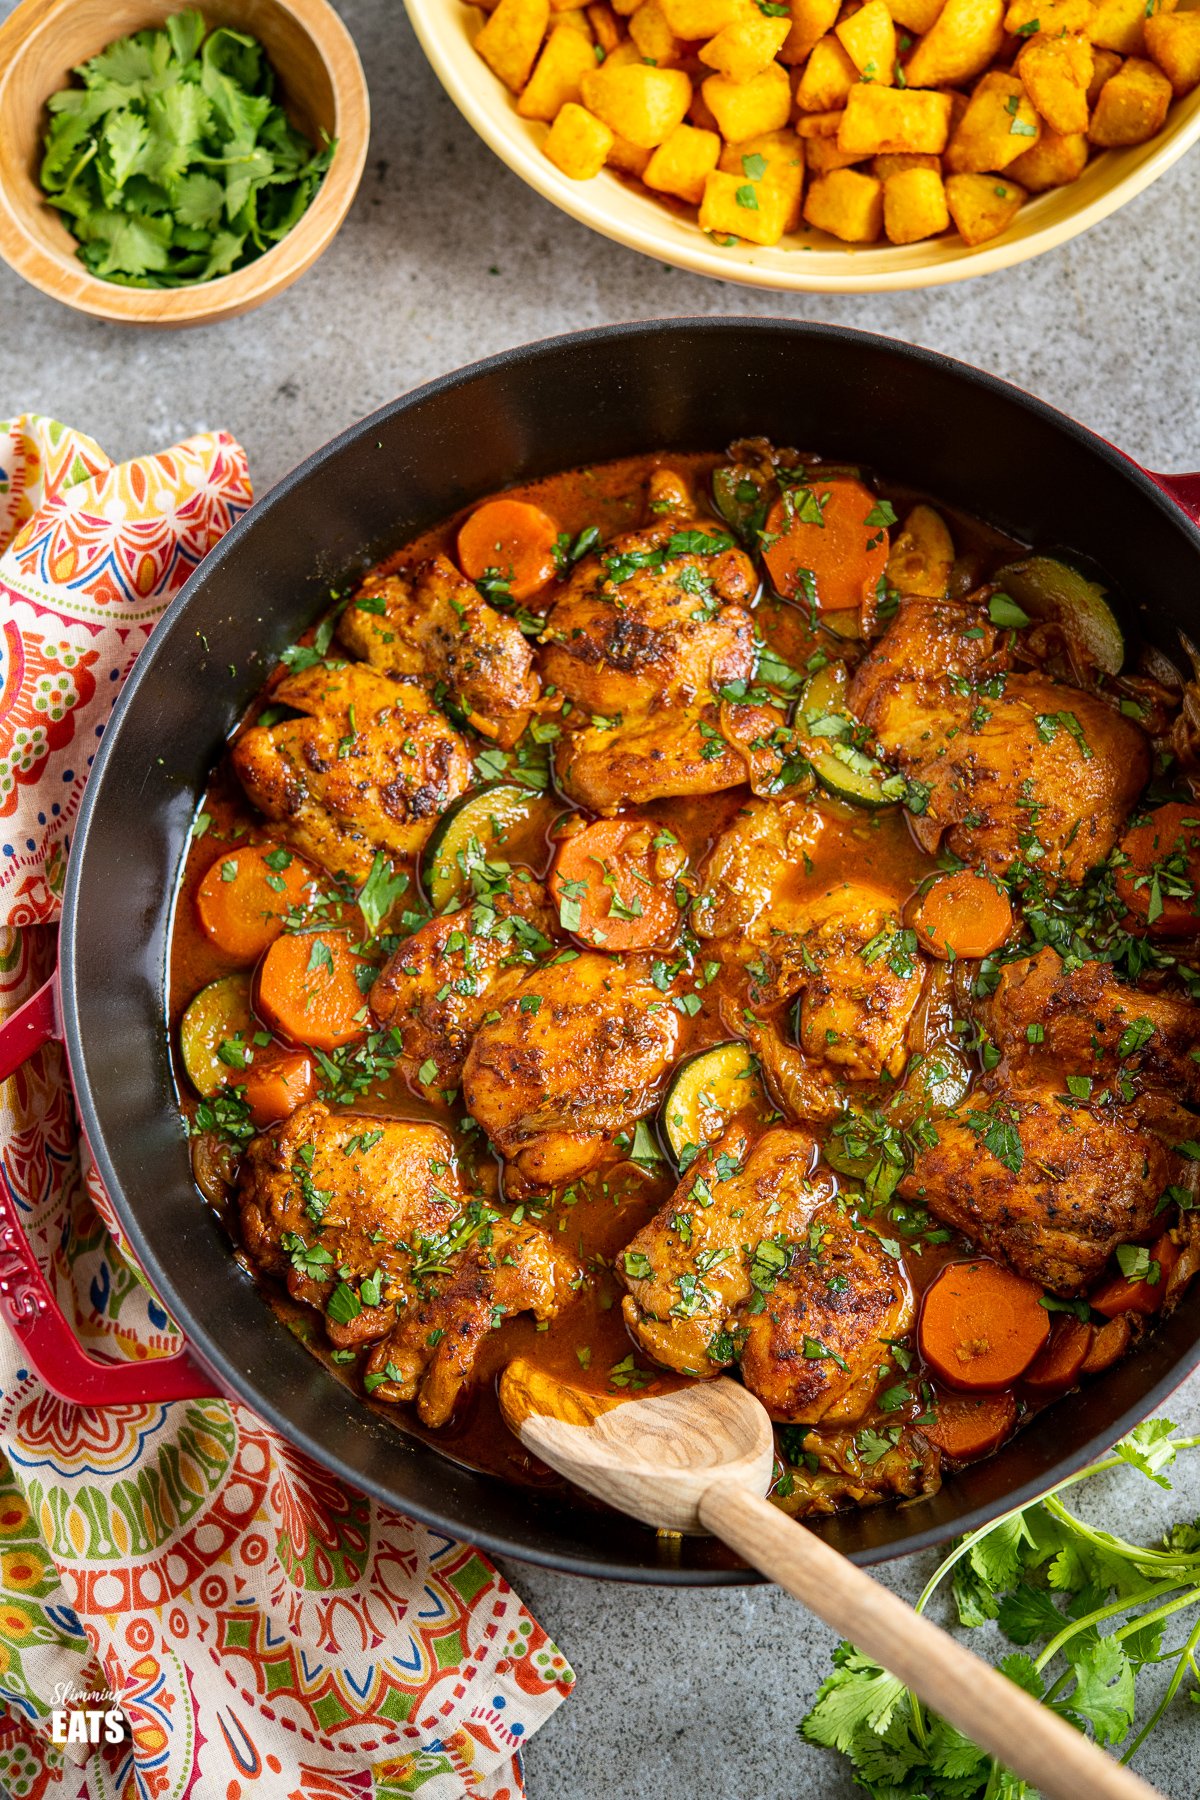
(370, 767)
(1048, 1185)
(675, 750)
(365, 1218)
(578, 1051)
(432, 624)
(437, 986)
(1086, 1020)
(752, 1260)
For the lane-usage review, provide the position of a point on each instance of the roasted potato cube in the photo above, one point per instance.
(653, 36)
(511, 39)
(1120, 25)
(810, 20)
(744, 109)
(914, 206)
(567, 58)
(894, 119)
(682, 163)
(1132, 105)
(847, 204)
(631, 159)
(915, 16)
(822, 156)
(638, 102)
(998, 124)
(702, 18)
(760, 211)
(578, 143)
(745, 48)
(869, 39)
(605, 27)
(826, 79)
(1105, 64)
(1173, 40)
(818, 125)
(962, 41)
(895, 163)
(1055, 73)
(982, 206)
(774, 164)
(574, 18)
(1050, 17)
(625, 7)
(1053, 161)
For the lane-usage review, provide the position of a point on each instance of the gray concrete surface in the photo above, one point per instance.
(447, 257)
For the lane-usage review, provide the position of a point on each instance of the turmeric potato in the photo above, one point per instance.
(895, 163)
(915, 16)
(578, 143)
(869, 39)
(822, 156)
(760, 207)
(649, 30)
(638, 102)
(810, 20)
(1120, 24)
(625, 7)
(894, 119)
(1105, 64)
(818, 125)
(1173, 40)
(574, 18)
(847, 204)
(914, 206)
(702, 18)
(511, 39)
(566, 59)
(774, 163)
(631, 159)
(826, 79)
(962, 41)
(1053, 161)
(1050, 17)
(1055, 73)
(747, 47)
(1132, 105)
(682, 163)
(742, 109)
(998, 124)
(982, 206)
(605, 27)
(922, 556)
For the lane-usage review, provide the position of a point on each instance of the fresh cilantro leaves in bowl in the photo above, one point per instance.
(186, 167)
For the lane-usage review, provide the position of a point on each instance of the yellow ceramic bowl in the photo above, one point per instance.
(809, 262)
(322, 87)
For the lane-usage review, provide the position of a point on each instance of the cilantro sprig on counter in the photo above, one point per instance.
(1088, 1611)
(173, 162)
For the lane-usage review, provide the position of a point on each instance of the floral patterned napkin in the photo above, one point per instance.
(266, 1632)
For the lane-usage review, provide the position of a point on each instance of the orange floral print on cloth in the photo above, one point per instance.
(267, 1632)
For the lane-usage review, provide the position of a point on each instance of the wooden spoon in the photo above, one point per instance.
(699, 1460)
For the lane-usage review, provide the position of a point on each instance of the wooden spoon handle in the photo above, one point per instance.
(1026, 1736)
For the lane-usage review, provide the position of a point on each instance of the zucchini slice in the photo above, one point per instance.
(474, 831)
(842, 769)
(219, 1014)
(707, 1091)
(1047, 587)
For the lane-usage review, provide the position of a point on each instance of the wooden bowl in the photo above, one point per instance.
(807, 261)
(322, 88)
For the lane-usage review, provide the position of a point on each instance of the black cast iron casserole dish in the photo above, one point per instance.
(937, 425)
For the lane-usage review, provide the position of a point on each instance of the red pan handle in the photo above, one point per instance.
(27, 1303)
(1183, 489)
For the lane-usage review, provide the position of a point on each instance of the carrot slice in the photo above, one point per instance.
(981, 1326)
(513, 539)
(614, 882)
(1125, 1293)
(1108, 1346)
(1160, 882)
(308, 989)
(962, 914)
(277, 1082)
(836, 560)
(1059, 1365)
(246, 894)
(969, 1426)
